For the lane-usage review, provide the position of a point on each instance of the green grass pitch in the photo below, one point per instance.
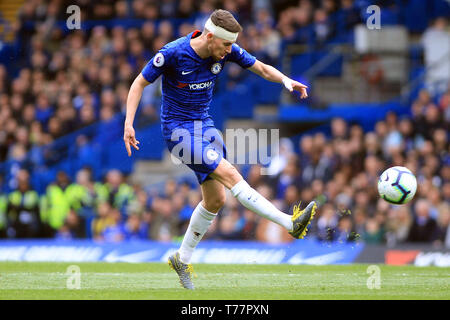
(154, 281)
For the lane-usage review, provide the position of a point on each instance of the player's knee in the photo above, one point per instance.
(233, 176)
(227, 174)
(214, 204)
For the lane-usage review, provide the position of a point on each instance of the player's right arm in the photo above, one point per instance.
(134, 96)
(154, 68)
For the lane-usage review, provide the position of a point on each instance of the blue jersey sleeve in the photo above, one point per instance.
(241, 56)
(157, 65)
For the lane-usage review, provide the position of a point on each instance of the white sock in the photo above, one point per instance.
(200, 221)
(252, 200)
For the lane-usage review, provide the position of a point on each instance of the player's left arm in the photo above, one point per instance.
(272, 74)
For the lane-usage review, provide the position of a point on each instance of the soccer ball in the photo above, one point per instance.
(397, 185)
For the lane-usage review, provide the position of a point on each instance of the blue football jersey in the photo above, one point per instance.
(188, 80)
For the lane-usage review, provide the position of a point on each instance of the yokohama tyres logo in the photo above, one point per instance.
(200, 86)
(196, 86)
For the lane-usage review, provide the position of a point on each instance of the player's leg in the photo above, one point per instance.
(228, 175)
(296, 224)
(214, 196)
(201, 152)
(203, 215)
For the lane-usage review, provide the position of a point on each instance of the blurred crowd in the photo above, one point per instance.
(339, 171)
(71, 80)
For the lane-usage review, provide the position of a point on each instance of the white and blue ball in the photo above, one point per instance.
(397, 185)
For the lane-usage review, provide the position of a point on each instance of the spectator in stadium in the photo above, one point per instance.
(44, 110)
(393, 142)
(270, 41)
(118, 193)
(436, 43)
(185, 213)
(55, 204)
(85, 194)
(101, 221)
(318, 168)
(398, 224)
(318, 190)
(4, 80)
(434, 199)
(440, 142)
(164, 226)
(428, 119)
(306, 150)
(406, 130)
(250, 224)
(18, 159)
(22, 210)
(3, 205)
(73, 228)
(373, 232)
(115, 230)
(424, 228)
(229, 227)
(279, 161)
(141, 203)
(443, 222)
(135, 229)
(323, 28)
(205, 10)
(444, 105)
(87, 115)
(185, 9)
(291, 197)
(326, 223)
(348, 16)
(360, 217)
(289, 176)
(345, 230)
(339, 129)
(170, 188)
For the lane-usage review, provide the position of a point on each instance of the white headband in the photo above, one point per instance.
(220, 32)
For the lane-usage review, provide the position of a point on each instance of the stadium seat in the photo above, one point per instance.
(301, 62)
(334, 69)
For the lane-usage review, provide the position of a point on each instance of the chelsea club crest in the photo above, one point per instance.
(216, 67)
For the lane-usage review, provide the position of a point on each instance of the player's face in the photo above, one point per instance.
(219, 48)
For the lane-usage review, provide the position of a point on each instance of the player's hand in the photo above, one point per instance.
(297, 86)
(129, 137)
(292, 85)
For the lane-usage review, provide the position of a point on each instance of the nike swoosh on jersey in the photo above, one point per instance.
(186, 72)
